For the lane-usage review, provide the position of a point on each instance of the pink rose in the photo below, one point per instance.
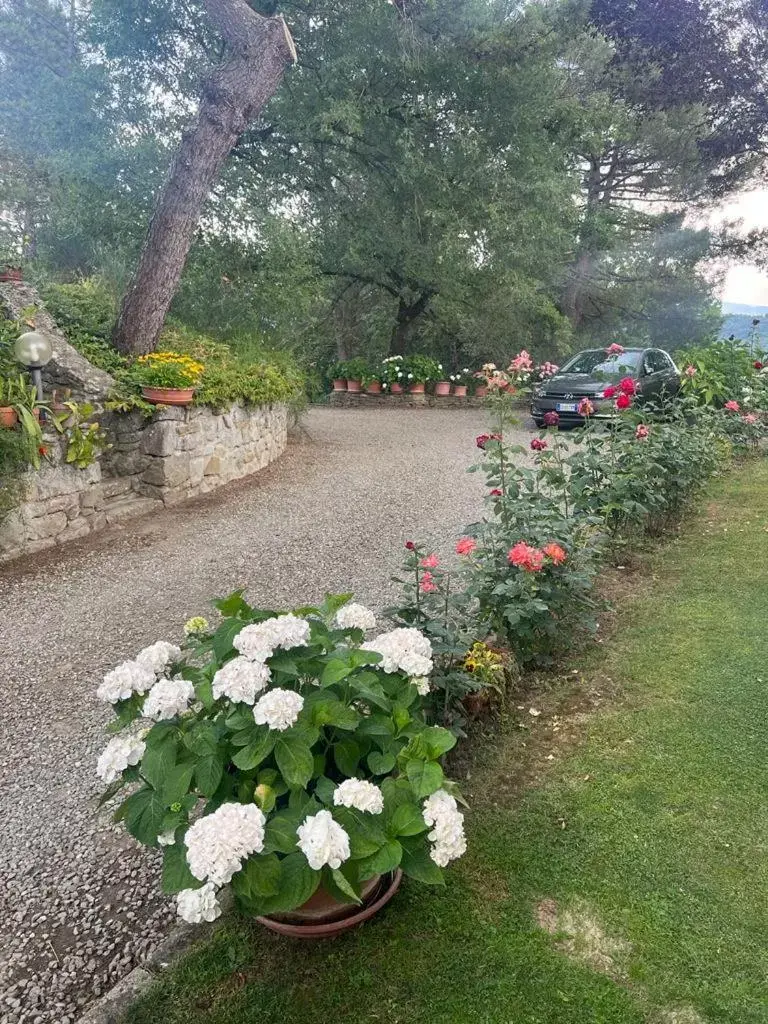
(430, 562)
(466, 546)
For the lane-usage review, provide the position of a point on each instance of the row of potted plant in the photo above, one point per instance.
(399, 374)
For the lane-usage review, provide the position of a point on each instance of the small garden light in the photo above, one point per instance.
(34, 350)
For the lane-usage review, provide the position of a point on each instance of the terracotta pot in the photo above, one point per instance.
(169, 396)
(8, 417)
(354, 385)
(323, 917)
(460, 390)
(443, 387)
(374, 388)
(11, 274)
(396, 389)
(340, 384)
(416, 389)
(481, 392)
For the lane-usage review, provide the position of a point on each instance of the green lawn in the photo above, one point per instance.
(648, 836)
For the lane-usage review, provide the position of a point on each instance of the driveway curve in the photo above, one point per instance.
(79, 901)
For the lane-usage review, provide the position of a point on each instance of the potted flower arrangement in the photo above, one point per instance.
(282, 755)
(420, 371)
(354, 371)
(337, 373)
(372, 380)
(442, 387)
(167, 378)
(460, 381)
(393, 374)
(19, 404)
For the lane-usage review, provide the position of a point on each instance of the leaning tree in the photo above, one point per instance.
(258, 50)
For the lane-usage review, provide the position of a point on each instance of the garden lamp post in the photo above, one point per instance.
(33, 351)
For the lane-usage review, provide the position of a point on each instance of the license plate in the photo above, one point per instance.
(566, 407)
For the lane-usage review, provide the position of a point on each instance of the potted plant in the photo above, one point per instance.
(373, 381)
(10, 266)
(285, 757)
(393, 374)
(337, 373)
(442, 387)
(19, 405)
(460, 381)
(420, 371)
(167, 378)
(480, 382)
(354, 371)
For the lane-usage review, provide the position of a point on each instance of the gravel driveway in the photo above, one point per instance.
(79, 900)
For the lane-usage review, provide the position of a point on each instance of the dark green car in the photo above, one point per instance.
(589, 373)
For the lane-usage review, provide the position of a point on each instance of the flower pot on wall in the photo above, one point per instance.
(169, 396)
(8, 417)
(323, 917)
(354, 386)
(340, 384)
(416, 389)
(460, 390)
(11, 274)
(443, 387)
(481, 392)
(397, 389)
(374, 388)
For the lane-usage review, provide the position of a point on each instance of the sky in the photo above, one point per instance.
(745, 282)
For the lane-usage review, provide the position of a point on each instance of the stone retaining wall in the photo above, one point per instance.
(178, 454)
(361, 400)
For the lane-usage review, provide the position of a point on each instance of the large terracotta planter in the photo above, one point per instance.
(8, 417)
(323, 917)
(481, 392)
(374, 388)
(443, 388)
(460, 390)
(169, 396)
(396, 389)
(340, 384)
(355, 386)
(11, 274)
(416, 389)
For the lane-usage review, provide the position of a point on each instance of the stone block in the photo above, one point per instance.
(46, 527)
(59, 503)
(172, 413)
(13, 533)
(160, 438)
(213, 466)
(196, 471)
(77, 529)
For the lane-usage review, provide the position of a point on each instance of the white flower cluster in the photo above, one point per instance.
(218, 844)
(278, 709)
(440, 810)
(323, 841)
(354, 616)
(198, 905)
(422, 685)
(119, 753)
(195, 626)
(122, 682)
(240, 680)
(403, 649)
(365, 796)
(168, 698)
(159, 656)
(260, 640)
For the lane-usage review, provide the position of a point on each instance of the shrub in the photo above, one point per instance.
(86, 312)
(15, 456)
(302, 749)
(422, 369)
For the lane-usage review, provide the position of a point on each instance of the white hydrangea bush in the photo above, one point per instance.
(281, 752)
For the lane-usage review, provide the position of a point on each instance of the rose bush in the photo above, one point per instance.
(280, 753)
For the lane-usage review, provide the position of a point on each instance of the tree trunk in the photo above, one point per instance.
(407, 315)
(260, 49)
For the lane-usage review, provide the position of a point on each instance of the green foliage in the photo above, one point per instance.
(422, 369)
(85, 440)
(358, 368)
(15, 457)
(722, 370)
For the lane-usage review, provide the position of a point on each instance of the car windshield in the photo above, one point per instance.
(597, 364)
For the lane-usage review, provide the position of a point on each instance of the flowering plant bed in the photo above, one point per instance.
(167, 377)
(280, 753)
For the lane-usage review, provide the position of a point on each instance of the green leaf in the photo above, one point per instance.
(176, 873)
(295, 761)
(407, 820)
(256, 752)
(376, 725)
(233, 605)
(438, 741)
(424, 776)
(416, 863)
(344, 886)
(159, 758)
(280, 832)
(346, 754)
(401, 717)
(324, 789)
(223, 637)
(208, 773)
(380, 764)
(336, 713)
(335, 671)
(298, 882)
(143, 813)
(176, 783)
(259, 877)
(384, 860)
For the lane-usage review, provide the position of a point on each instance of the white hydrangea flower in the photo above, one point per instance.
(159, 656)
(354, 616)
(323, 841)
(168, 698)
(403, 649)
(422, 685)
(167, 838)
(197, 624)
(218, 843)
(122, 682)
(119, 753)
(278, 709)
(260, 640)
(240, 680)
(197, 905)
(365, 796)
(441, 811)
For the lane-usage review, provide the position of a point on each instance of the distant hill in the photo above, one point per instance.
(741, 309)
(737, 321)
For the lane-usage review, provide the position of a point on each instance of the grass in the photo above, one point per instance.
(626, 883)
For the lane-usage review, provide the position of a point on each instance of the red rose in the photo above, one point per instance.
(538, 444)
(758, 365)
(496, 493)
(627, 386)
(610, 392)
(623, 402)
(410, 546)
(551, 419)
